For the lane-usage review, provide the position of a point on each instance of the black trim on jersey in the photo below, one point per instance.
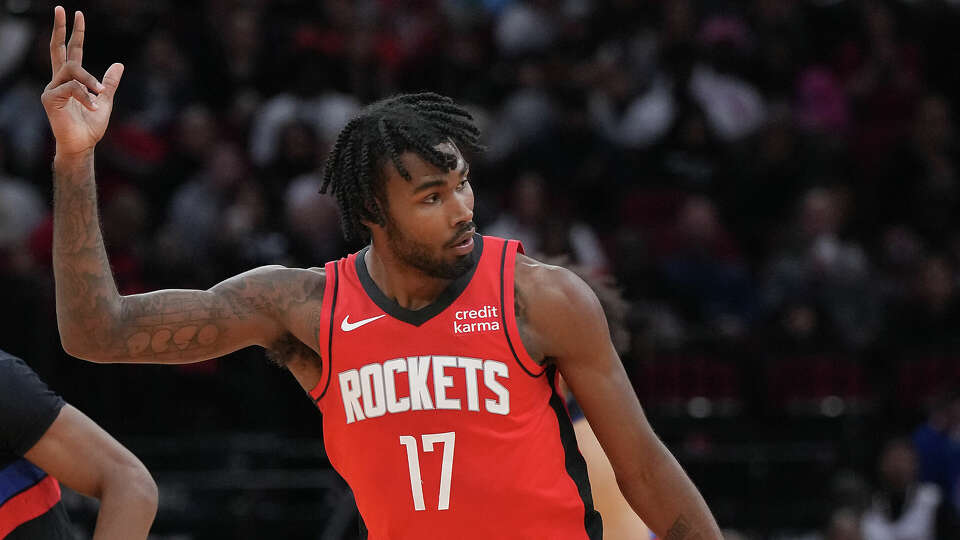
(419, 316)
(573, 459)
(333, 307)
(363, 528)
(503, 313)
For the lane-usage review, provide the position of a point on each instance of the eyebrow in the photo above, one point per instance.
(428, 185)
(438, 182)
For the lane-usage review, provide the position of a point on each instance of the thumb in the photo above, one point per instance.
(111, 80)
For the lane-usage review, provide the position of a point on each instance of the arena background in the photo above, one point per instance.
(772, 183)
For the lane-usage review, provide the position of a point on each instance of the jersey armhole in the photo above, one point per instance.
(508, 262)
(325, 330)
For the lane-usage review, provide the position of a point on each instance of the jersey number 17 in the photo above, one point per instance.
(446, 470)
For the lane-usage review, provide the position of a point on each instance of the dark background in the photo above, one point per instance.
(772, 183)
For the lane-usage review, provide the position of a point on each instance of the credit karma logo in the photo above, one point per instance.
(470, 321)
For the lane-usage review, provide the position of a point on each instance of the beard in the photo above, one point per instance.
(419, 255)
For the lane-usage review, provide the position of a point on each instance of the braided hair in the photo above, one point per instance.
(384, 130)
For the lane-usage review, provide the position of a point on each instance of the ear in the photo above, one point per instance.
(370, 225)
(376, 207)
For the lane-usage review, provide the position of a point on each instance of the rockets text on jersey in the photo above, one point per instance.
(371, 391)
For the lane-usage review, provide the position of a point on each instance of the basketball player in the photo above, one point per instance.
(43, 442)
(439, 348)
(620, 522)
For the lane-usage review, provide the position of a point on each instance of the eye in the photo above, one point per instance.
(432, 198)
(463, 184)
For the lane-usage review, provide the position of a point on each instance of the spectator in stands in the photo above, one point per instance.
(526, 27)
(160, 81)
(298, 153)
(703, 268)
(311, 222)
(937, 442)
(21, 117)
(822, 269)
(926, 321)
(16, 37)
(21, 208)
(844, 525)
(903, 508)
(766, 178)
(543, 229)
(902, 252)
(197, 208)
(881, 72)
(192, 138)
(22, 282)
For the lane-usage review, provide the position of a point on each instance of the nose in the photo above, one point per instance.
(461, 209)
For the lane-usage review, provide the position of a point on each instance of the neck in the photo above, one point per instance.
(409, 287)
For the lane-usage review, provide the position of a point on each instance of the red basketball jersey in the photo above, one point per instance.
(438, 419)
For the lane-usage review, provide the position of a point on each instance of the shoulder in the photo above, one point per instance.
(552, 287)
(15, 375)
(278, 279)
(27, 405)
(556, 308)
(285, 272)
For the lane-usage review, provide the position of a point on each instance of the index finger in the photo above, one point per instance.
(58, 47)
(75, 46)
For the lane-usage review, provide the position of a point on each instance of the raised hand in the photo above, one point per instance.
(77, 104)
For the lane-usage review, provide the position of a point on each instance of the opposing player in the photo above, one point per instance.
(438, 348)
(45, 442)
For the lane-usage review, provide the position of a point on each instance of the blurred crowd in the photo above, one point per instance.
(764, 179)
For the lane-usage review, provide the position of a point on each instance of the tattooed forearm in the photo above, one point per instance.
(172, 326)
(682, 530)
(86, 295)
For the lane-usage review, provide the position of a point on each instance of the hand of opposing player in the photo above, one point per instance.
(77, 104)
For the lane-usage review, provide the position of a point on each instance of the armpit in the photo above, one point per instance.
(288, 349)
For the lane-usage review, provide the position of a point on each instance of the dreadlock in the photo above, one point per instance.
(385, 130)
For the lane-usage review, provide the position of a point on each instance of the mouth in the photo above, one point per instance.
(464, 239)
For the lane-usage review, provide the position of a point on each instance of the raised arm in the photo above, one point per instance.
(176, 326)
(563, 322)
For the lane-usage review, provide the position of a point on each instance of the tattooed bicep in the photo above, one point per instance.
(272, 290)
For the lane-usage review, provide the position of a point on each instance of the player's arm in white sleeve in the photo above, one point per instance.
(84, 457)
(565, 324)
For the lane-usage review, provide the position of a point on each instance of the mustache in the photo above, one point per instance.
(467, 227)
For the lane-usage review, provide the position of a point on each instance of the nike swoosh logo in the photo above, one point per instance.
(347, 326)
